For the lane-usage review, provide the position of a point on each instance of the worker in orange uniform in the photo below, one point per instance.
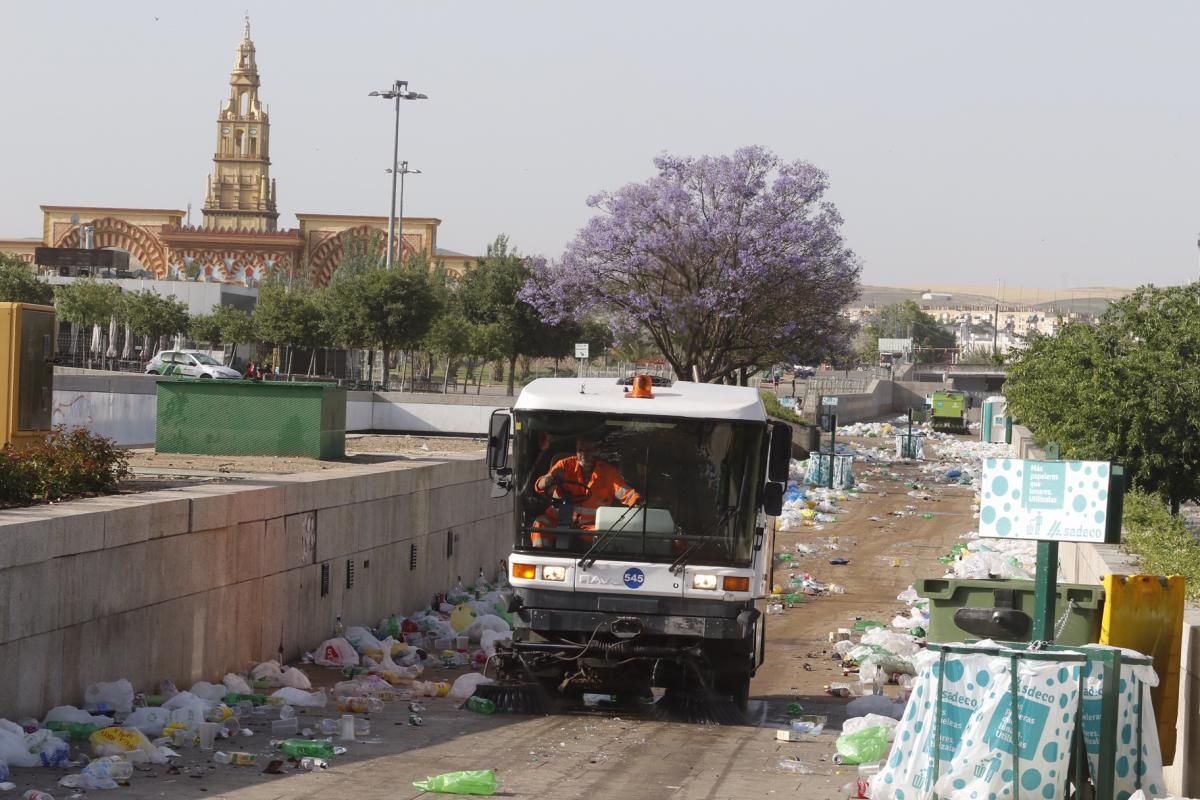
(586, 484)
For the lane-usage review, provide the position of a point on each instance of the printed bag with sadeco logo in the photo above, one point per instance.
(1138, 762)
(924, 742)
(1018, 744)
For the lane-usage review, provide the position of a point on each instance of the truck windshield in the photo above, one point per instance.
(636, 488)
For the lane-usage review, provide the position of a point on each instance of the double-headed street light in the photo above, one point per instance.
(398, 92)
(403, 170)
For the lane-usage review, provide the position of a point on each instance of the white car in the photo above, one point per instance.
(190, 363)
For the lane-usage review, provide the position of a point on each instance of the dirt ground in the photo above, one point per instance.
(601, 755)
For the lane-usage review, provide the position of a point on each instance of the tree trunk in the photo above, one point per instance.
(386, 367)
(479, 377)
(512, 369)
(446, 377)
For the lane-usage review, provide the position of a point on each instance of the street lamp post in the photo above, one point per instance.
(403, 170)
(398, 92)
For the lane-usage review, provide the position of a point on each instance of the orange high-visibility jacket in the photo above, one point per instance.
(606, 488)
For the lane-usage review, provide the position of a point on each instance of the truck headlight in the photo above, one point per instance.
(704, 581)
(554, 573)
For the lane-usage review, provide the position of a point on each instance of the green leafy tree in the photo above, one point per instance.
(205, 328)
(385, 309)
(87, 301)
(288, 318)
(511, 327)
(18, 284)
(154, 316)
(237, 326)
(902, 321)
(1126, 391)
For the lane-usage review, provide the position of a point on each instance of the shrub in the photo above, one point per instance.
(1162, 543)
(65, 463)
(777, 411)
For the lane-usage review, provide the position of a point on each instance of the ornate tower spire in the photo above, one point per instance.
(239, 195)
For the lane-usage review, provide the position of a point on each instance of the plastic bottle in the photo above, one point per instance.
(481, 705)
(34, 794)
(237, 759)
(233, 698)
(393, 627)
(350, 672)
(339, 629)
(114, 767)
(77, 731)
(481, 584)
(360, 705)
(298, 748)
(311, 764)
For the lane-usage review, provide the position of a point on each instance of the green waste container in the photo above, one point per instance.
(251, 418)
(962, 609)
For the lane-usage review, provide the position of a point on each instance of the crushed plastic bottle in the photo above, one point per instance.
(481, 705)
(311, 764)
(34, 794)
(298, 748)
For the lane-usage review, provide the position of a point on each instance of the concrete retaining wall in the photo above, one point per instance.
(1089, 563)
(857, 407)
(188, 584)
(123, 407)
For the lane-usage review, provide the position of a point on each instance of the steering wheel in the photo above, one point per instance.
(571, 491)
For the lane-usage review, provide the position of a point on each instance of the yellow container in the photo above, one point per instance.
(1145, 613)
(26, 371)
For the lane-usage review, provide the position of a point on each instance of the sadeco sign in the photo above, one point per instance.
(1056, 501)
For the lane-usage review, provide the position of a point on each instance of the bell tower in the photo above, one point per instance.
(241, 193)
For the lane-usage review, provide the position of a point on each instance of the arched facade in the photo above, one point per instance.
(111, 232)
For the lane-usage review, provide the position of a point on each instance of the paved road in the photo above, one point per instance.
(597, 755)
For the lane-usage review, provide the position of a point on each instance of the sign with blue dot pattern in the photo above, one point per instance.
(1055, 501)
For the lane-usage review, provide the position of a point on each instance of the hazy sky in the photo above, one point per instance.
(1045, 144)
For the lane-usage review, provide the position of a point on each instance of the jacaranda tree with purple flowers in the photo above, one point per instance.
(729, 263)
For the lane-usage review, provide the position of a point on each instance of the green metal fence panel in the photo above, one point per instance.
(251, 418)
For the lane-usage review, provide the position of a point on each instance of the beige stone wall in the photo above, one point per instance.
(189, 584)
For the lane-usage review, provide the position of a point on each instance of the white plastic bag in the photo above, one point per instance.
(1044, 720)
(237, 684)
(465, 685)
(212, 692)
(187, 709)
(1133, 709)
(364, 641)
(919, 739)
(299, 697)
(295, 679)
(38, 749)
(149, 721)
(115, 696)
(75, 715)
(336, 653)
(269, 672)
(874, 704)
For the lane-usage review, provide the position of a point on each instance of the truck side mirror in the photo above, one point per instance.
(780, 459)
(772, 499)
(497, 445)
(497, 453)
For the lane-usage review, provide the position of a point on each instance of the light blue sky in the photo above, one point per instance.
(1045, 144)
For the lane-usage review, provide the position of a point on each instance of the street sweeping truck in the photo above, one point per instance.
(642, 541)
